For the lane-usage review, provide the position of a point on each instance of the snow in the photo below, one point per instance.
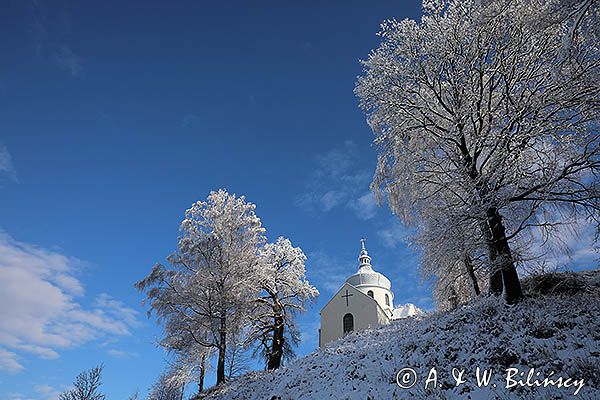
(557, 333)
(407, 310)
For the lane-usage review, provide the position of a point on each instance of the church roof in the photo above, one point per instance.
(366, 276)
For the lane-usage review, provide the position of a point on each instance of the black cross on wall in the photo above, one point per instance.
(346, 296)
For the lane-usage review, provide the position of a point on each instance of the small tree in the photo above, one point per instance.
(189, 365)
(165, 389)
(285, 291)
(86, 386)
(237, 358)
(451, 254)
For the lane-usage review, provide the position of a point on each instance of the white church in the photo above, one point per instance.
(365, 300)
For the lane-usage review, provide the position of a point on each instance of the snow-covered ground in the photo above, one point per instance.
(556, 334)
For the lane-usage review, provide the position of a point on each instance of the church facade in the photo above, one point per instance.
(365, 300)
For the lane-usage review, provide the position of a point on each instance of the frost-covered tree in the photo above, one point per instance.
(165, 389)
(490, 109)
(237, 360)
(284, 292)
(205, 291)
(189, 365)
(86, 386)
(450, 253)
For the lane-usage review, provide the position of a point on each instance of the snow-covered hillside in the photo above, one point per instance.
(555, 330)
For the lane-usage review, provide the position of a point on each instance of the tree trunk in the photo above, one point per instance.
(495, 275)
(276, 352)
(503, 277)
(496, 284)
(222, 349)
(492, 225)
(471, 272)
(202, 373)
(452, 299)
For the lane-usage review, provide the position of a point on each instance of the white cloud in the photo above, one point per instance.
(67, 60)
(328, 272)
(44, 389)
(365, 207)
(117, 309)
(337, 181)
(47, 392)
(580, 242)
(9, 362)
(190, 121)
(40, 314)
(117, 353)
(331, 199)
(309, 332)
(70, 284)
(395, 233)
(337, 161)
(569, 246)
(50, 29)
(18, 396)
(7, 169)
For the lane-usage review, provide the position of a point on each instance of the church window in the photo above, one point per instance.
(348, 323)
(370, 293)
(387, 300)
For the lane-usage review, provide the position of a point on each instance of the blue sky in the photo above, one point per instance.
(116, 116)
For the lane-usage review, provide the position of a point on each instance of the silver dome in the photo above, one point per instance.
(368, 277)
(365, 276)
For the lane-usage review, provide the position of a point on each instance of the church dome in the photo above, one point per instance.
(369, 278)
(366, 276)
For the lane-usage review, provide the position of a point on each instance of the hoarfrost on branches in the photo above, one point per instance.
(486, 121)
(165, 389)
(205, 291)
(285, 291)
(226, 289)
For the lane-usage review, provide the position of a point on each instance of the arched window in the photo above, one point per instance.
(348, 323)
(370, 293)
(387, 300)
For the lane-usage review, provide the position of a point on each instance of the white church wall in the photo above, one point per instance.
(382, 316)
(379, 296)
(365, 311)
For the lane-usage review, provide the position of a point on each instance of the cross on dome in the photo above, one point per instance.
(366, 276)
